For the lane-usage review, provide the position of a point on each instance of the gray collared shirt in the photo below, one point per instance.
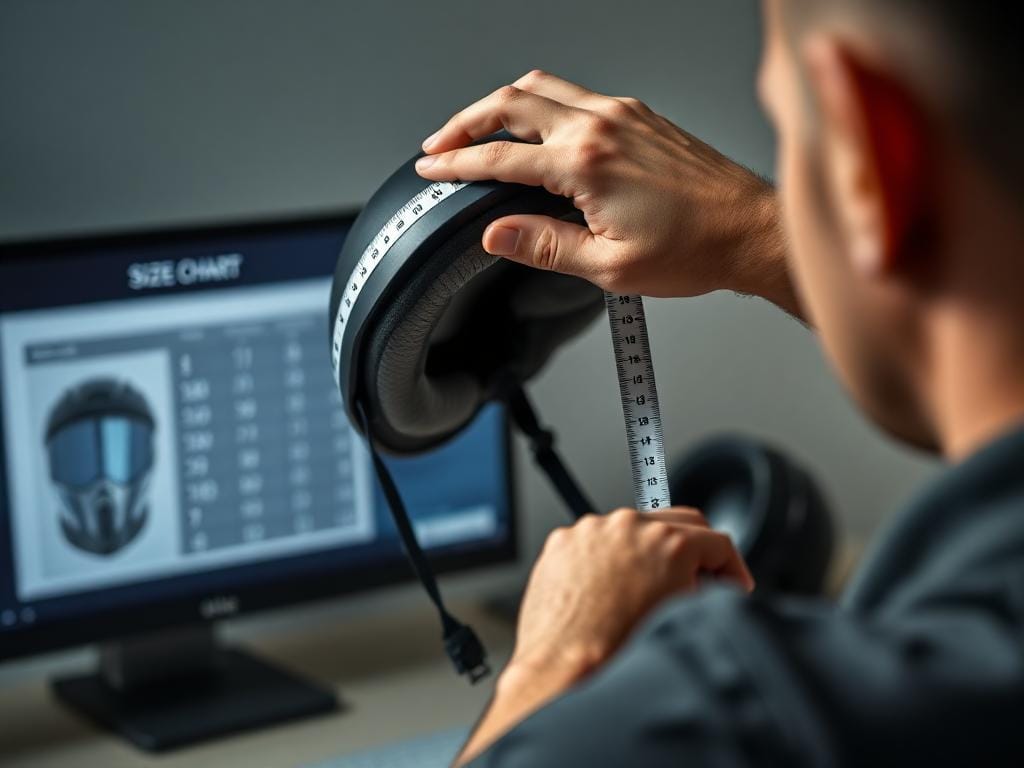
(921, 663)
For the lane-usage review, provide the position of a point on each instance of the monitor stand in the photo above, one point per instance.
(181, 686)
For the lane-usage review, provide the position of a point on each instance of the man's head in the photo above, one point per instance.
(902, 179)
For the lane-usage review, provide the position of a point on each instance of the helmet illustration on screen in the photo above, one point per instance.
(99, 440)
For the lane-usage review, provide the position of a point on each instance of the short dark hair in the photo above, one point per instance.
(983, 42)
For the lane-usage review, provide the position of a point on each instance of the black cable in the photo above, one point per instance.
(461, 644)
(542, 442)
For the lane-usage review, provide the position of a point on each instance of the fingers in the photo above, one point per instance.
(678, 515)
(524, 114)
(714, 552)
(555, 88)
(546, 243)
(693, 545)
(697, 546)
(500, 160)
(571, 94)
(529, 108)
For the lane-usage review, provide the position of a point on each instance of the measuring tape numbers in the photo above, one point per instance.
(640, 407)
(375, 252)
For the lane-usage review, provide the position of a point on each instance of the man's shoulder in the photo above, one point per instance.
(958, 543)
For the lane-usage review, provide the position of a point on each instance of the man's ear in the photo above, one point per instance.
(873, 150)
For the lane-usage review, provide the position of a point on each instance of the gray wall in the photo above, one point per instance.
(124, 113)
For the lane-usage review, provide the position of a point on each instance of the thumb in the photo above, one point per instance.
(545, 243)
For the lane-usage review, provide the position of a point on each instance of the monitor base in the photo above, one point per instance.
(226, 692)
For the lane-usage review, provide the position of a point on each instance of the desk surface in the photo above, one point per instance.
(389, 671)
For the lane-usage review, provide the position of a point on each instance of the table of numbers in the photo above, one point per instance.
(265, 446)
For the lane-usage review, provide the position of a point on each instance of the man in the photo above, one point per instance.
(897, 233)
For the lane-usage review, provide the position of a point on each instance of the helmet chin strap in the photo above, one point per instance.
(542, 443)
(461, 644)
(467, 653)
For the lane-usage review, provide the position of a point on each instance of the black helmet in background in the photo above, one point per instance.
(99, 439)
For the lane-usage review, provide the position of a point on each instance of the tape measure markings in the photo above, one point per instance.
(640, 407)
(374, 254)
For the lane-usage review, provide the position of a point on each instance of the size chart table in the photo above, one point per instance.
(266, 450)
(254, 454)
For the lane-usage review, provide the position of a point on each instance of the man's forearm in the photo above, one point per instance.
(521, 690)
(759, 264)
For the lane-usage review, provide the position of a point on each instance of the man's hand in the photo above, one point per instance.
(667, 215)
(591, 586)
(595, 581)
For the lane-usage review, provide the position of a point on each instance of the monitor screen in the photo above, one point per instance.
(174, 447)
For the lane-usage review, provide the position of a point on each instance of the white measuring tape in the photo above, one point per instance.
(640, 407)
(374, 254)
(632, 348)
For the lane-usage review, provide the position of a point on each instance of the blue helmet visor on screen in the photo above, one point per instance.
(426, 328)
(99, 441)
(114, 448)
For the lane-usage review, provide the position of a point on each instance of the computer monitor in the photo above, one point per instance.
(174, 449)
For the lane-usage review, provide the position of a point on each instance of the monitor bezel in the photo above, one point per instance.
(324, 585)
